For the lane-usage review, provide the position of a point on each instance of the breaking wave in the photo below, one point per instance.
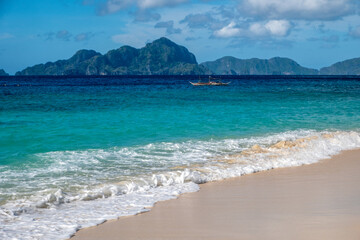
(76, 189)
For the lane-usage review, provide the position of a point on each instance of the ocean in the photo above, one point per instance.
(77, 151)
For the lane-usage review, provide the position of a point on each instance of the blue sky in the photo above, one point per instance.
(315, 33)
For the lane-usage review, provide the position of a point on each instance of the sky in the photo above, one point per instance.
(315, 33)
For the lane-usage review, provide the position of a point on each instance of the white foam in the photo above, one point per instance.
(62, 221)
(76, 189)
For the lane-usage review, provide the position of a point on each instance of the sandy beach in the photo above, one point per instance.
(318, 201)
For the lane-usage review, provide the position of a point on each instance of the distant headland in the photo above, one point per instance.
(3, 73)
(164, 57)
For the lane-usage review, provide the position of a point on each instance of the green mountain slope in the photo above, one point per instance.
(255, 66)
(161, 57)
(347, 67)
(164, 57)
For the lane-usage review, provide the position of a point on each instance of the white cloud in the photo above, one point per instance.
(228, 31)
(278, 27)
(299, 9)
(258, 29)
(272, 28)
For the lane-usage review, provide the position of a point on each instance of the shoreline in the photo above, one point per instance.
(316, 201)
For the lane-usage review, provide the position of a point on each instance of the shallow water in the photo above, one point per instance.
(69, 146)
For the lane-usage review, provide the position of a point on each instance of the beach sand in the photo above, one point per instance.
(318, 201)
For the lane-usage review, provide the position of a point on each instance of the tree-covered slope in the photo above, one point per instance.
(161, 57)
(347, 67)
(255, 66)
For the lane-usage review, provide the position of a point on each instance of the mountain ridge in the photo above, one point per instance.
(161, 57)
(274, 66)
(164, 57)
(346, 67)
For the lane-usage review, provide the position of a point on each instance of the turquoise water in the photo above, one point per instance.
(81, 114)
(63, 139)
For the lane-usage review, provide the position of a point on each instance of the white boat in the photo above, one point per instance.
(212, 82)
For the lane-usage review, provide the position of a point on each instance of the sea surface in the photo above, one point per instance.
(75, 152)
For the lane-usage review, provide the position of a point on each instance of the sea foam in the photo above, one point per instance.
(77, 189)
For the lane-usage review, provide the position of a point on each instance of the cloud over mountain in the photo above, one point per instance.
(169, 26)
(272, 28)
(298, 9)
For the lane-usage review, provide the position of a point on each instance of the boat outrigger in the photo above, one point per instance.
(212, 82)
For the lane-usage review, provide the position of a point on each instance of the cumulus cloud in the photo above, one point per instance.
(299, 9)
(268, 21)
(227, 22)
(272, 28)
(277, 27)
(355, 33)
(169, 26)
(228, 31)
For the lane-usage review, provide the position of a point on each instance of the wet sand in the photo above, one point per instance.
(318, 201)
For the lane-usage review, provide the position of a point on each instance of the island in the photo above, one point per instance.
(255, 66)
(164, 57)
(161, 57)
(347, 67)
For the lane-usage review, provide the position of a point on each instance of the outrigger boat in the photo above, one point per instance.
(212, 82)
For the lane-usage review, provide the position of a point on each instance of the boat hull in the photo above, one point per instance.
(209, 84)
